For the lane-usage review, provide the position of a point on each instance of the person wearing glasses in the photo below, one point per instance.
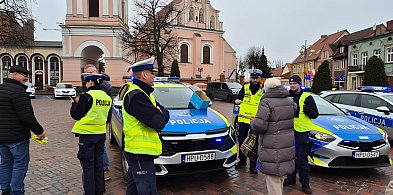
(16, 121)
(306, 111)
(248, 99)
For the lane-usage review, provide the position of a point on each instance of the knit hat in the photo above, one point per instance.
(295, 79)
(271, 83)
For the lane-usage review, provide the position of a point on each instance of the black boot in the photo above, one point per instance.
(289, 182)
(306, 188)
(253, 171)
(6, 193)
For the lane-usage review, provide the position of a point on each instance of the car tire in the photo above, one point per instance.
(124, 165)
(210, 96)
(112, 139)
(230, 98)
(54, 97)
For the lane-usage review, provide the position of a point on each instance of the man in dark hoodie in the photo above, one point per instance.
(306, 111)
(249, 97)
(16, 121)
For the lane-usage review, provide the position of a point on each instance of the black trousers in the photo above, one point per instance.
(141, 176)
(303, 149)
(243, 133)
(91, 149)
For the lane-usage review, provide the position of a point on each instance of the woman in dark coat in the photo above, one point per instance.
(273, 124)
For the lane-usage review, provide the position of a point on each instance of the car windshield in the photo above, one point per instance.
(64, 86)
(389, 97)
(173, 98)
(327, 108)
(29, 85)
(234, 85)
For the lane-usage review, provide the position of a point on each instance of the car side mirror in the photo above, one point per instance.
(35, 87)
(383, 109)
(74, 87)
(54, 87)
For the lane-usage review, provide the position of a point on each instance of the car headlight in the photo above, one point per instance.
(321, 136)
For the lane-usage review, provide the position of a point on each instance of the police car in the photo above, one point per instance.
(343, 141)
(194, 140)
(370, 103)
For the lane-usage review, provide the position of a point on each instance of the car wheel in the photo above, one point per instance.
(112, 139)
(54, 97)
(210, 96)
(124, 165)
(229, 98)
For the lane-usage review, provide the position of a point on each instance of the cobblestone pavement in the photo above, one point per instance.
(54, 168)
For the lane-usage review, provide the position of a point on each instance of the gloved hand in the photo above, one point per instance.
(39, 140)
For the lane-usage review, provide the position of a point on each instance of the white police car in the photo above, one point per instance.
(343, 141)
(370, 103)
(194, 140)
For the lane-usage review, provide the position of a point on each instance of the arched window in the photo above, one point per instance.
(38, 63)
(22, 61)
(179, 19)
(6, 65)
(184, 53)
(93, 8)
(206, 55)
(212, 22)
(201, 15)
(191, 15)
(54, 71)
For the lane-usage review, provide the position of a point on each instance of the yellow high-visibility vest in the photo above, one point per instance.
(303, 123)
(249, 106)
(94, 122)
(138, 137)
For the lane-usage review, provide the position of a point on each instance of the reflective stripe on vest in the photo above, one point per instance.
(138, 137)
(303, 123)
(249, 106)
(94, 122)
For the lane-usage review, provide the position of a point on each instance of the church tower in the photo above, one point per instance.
(91, 35)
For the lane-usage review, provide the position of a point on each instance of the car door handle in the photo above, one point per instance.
(361, 112)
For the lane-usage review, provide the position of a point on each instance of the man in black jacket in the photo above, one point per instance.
(306, 111)
(16, 121)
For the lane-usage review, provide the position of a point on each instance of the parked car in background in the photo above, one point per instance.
(64, 90)
(224, 90)
(30, 89)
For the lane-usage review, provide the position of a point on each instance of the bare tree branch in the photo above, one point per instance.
(151, 31)
(17, 24)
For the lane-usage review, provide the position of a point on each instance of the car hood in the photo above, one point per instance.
(192, 121)
(348, 128)
(65, 89)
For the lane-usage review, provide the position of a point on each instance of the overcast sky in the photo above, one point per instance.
(281, 26)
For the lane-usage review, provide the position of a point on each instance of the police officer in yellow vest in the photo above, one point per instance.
(143, 119)
(249, 97)
(306, 111)
(91, 111)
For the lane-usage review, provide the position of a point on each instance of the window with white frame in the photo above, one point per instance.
(310, 66)
(184, 53)
(377, 53)
(294, 68)
(337, 65)
(54, 70)
(341, 49)
(389, 54)
(324, 54)
(342, 64)
(22, 61)
(354, 59)
(6, 65)
(206, 54)
(299, 68)
(303, 66)
(364, 58)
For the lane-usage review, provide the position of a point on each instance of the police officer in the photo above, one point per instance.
(249, 97)
(306, 110)
(91, 111)
(143, 119)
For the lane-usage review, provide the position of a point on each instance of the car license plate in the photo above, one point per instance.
(198, 157)
(372, 154)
